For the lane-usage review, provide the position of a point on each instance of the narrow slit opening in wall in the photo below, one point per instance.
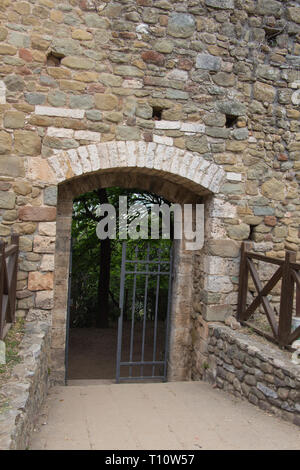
(271, 34)
(54, 59)
(231, 120)
(156, 113)
(251, 234)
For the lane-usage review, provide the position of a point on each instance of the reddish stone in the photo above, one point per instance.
(39, 281)
(96, 88)
(144, 3)
(270, 220)
(24, 71)
(185, 64)
(25, 54)
(148, 137)
(88, 5)
(131, 121)
(282, 157)
(127, 35)
(37, 214)
(153, 57)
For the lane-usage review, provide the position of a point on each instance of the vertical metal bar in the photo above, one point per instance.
(121, 305)
(133, 310)
(156, 310)
(168, 312)
(68, 310)
(145, 307)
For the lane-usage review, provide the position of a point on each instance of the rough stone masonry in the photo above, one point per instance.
(187, 98)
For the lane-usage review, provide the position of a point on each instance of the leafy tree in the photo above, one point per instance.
(97, 263)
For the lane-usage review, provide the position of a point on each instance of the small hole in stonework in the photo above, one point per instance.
(156, 113)
(231, 120)
(251, 234)
(54, 59)
(271, 34)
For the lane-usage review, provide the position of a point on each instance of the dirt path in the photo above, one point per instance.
(93, 351)
(180, 416)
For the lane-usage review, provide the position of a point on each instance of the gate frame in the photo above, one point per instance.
(147, 273)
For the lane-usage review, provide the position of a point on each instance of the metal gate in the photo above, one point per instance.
(145, 301)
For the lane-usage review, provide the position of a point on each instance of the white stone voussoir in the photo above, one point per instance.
(177, 163)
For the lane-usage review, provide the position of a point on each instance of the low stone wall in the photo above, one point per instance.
(27, 388)
(248, 368)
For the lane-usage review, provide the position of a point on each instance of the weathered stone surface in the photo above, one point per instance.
(233, 108)
(224, 248)
(27, 143)
(144, 110)
(197, 144)
(239, 232)
(268, 7)
(14, 83)
(5, 143)
(39, 281)
(294, 14)
(220, 4)
(50, 196)
(27, 387)
(153, 57)
(110, 80)
(56, 98)
(208, 62)
(127, 133)
(7, 200)
(14, 119)
(35, 98)
(128, 71)
(74, 62)
(106, 101)
(164, 46)
(273, 189)
(22, 187)
(81, 101)
(264, 92)
(181, 25)
(37, 214)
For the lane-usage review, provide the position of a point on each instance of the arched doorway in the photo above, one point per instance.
(181, 177)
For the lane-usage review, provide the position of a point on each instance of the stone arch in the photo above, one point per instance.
(192, 170)
(179, 175)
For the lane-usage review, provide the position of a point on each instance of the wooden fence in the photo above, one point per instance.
(8, 282)
(289, 273)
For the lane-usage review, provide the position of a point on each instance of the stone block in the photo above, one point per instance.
(38, 281)
(216, 312)
(37, 214)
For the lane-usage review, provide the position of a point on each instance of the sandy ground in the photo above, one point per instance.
(93, 351)
(180, 416)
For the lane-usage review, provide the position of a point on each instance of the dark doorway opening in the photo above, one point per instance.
(93, 310)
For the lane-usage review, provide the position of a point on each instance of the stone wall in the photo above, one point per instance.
(25, 392)
(248, 368)
(198, 96)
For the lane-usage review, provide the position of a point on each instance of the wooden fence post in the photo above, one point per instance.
(13, 287)
(243, 281)
(286, 300)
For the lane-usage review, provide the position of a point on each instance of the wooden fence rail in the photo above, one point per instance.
(8, 282)
(289, 272)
